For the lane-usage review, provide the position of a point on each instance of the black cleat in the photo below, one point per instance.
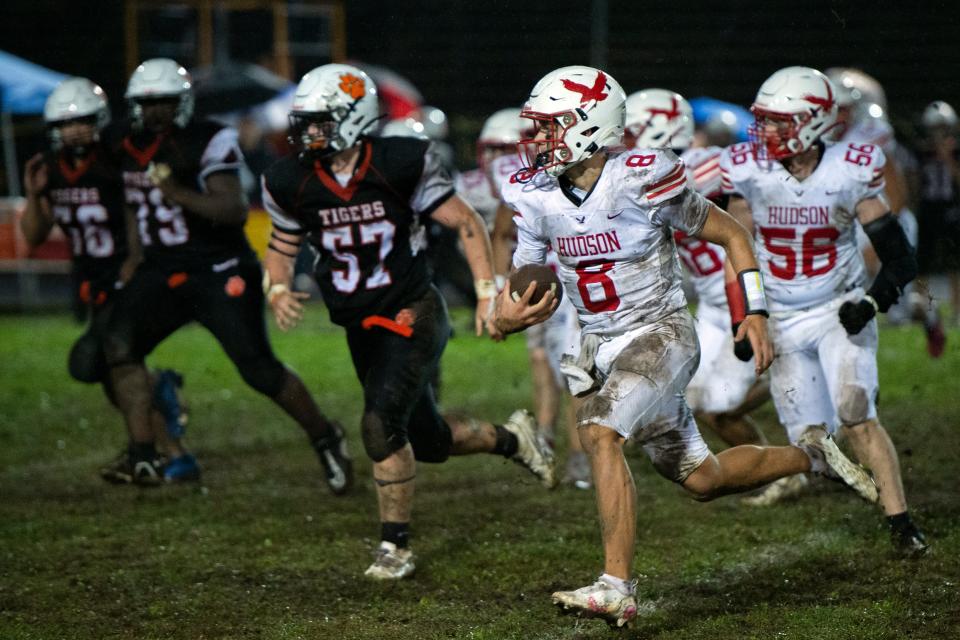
(336, 461)
(910, 542)
(125, 470)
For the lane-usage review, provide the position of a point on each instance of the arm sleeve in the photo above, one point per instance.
(221, 154)
(281, 220)
(435, 186)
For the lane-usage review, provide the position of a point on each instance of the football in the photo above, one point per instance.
(546, 279)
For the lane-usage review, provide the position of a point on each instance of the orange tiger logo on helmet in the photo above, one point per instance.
(352, 86)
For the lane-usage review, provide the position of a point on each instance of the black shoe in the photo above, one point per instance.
(125, 470)
(910, 542)
(332, 451)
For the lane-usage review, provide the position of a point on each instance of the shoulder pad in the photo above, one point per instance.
(660, 173)
(737, 162)
(862, 162)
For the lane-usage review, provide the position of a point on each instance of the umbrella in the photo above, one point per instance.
(233, 86)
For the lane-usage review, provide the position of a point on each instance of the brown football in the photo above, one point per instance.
(546, 279)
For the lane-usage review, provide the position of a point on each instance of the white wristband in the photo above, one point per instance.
(485, 289)
(276, 290)
(754, 296)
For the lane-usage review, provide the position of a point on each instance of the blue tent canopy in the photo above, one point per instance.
(24, 86)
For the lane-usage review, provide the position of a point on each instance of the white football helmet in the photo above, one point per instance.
(793, 109)
(434, 122)
(405, 128)
(939, 114)
(340, 101)
(72, 99)
(859, 97)
(160, 78)
(578, 111)
(500, 134)
(658, 119)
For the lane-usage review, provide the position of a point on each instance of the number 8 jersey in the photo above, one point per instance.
(617, 260)
(805, 230)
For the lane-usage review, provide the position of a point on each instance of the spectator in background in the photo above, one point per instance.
(939, 205)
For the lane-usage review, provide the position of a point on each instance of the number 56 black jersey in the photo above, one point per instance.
(367, 230)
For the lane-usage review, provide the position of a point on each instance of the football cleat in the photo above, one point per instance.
(577, 473)
(168, 401)
(599, 600)
(391, 563)
(335, 459)
(910, 542)
(533, 452)
(826, 458)
(125, 470)
(181, 469)
(778, 491)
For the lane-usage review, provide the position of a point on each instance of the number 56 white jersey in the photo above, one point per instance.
(617, 260)
(805, 230)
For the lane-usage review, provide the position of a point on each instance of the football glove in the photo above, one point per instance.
(854, 316)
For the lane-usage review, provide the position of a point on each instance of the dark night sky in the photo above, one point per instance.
(471, 58)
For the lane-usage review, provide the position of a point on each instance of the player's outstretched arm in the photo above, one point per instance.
(223, 202)
(37, 220)
(278, 264)
(722, 229)
(455, 213)
(898, 265)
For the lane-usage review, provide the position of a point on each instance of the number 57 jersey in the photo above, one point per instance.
(805, 229)
(617, 260)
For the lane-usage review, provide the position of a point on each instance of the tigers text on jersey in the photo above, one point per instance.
(805, 230)
(178, 237)
(615, 248)
(703, 260)
(368, 233)
(86, 200)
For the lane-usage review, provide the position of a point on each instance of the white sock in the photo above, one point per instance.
(626, 587)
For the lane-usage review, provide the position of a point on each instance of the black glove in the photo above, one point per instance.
(743, 349)
(854, 316)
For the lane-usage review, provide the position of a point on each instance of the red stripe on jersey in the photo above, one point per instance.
(678, 171)
(711, 165)
(143, 156)
(676, 185)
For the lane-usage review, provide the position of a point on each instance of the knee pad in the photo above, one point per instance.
(265, 375)
(379, 440)
(853, 406)
(87, 362)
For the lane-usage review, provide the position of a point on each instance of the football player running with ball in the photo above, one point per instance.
(610, 217)
(361, 203)
(802, 198)
(183, 194)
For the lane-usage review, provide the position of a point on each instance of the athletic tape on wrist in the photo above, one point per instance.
(485, 289)
(753, 294)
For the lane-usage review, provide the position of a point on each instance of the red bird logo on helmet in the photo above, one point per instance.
(826, 103)
(671, 113)
(588, 93)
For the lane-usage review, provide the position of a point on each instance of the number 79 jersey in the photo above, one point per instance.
(806, 230)
(617, 260)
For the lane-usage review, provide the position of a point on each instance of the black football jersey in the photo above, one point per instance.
(87, 203)
(171, 234)
(368, 233)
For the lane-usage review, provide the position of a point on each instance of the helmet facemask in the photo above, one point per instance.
(181, 113)
(324, 139)
(77, 149)
(546, 149)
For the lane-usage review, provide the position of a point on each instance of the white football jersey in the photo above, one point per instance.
(703, 260)
(502, 168)
(875, 131)
(474, 187)
(806, 230)
(615, 248)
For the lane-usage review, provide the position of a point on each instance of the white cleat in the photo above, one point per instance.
(826, 457)
(778, 491)
(391, 563)
(533, 452)
(599, 600)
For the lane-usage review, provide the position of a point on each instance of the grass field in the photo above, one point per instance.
(261, 550)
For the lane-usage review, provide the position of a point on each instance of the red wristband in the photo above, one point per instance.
(735, 300)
